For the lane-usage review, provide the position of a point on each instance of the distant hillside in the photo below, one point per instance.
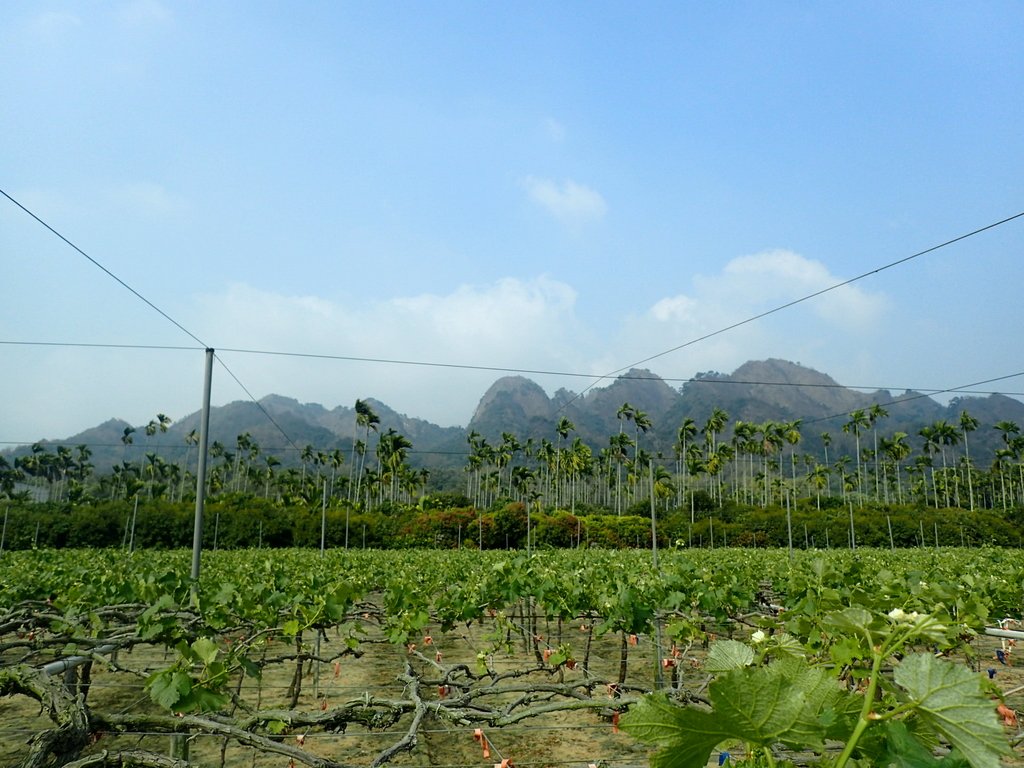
(280, 426)
(757, 391)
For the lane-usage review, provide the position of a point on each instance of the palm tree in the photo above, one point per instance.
(562, 428)
(126, 440)
(687, 432)
(771, 440)
(523, 479)
(715, 424)
(545, 454)
(618, 446)
(367, 419)
(473, 464)
(858, 420)
(1003, 456)
(744, 434)
(875, 414)
(819, 479)
(641, 423)
(662, 486)
(192, 438)
(695, 466)
(717, 459)
(578, 463)
(268, 473)
(826, 441)
(840, 467)
(625, 411)
(510, 446)
(942, 433)
(392, 449)
(897, 449)
(1017, 446)
(968, 424)
(243, 443)
(791, 435)
(160, 423)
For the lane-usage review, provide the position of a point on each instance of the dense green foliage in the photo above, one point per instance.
(450, 522)
(828, 627)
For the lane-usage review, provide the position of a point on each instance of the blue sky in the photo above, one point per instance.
(570, 187)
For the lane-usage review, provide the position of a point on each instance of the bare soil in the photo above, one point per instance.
(578, 738)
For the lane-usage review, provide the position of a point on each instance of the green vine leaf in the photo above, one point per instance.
(168, 687)
(206, 650)
(902, 750)
(786, 702)
(949, 698)
(725, 655)
(687, 735)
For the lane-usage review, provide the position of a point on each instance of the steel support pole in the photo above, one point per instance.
(204, 437)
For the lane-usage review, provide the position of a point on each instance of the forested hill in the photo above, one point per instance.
(638, 403)
(756, 392)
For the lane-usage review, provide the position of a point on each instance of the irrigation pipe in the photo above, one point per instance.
(1013, 634)
(63, 665)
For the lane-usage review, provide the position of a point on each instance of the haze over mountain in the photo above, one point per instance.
(757, 391)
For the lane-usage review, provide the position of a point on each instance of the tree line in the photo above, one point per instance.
(758, 464)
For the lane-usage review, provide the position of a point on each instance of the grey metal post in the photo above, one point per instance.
(323, 522)
(659, 678)
(789, 525)
(204, 437)
(654, 527)
(135, 515)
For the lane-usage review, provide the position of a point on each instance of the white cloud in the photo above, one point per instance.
(819, 332)
(554, 129)
(511, 323)
(750, 285)
(570, 202)
(52, 29)
(146, 198)
(143, 13)
(675, 309)
(56, 21)
(529, 324)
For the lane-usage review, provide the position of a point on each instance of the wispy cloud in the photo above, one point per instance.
(569, 201)
(815, 332)
(52, 27)
(510, 323)
(778, 276)
(147, 198)
(554, 129)
(143, 13)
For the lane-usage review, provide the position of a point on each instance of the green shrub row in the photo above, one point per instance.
(242, 522)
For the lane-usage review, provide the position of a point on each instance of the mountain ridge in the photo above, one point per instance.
(757, 391)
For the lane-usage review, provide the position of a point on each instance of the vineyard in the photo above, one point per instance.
(465, 658)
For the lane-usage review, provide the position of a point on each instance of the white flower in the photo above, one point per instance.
(897, 614)
(758, 637)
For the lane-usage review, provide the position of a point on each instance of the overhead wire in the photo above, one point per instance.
(794, 302)
(698, 379)
(98, 345)
(106, 271)
(919, 395)
(753, 318)
(258, 404)
(145, 300)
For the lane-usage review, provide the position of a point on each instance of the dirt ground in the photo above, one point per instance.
(581, 738)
